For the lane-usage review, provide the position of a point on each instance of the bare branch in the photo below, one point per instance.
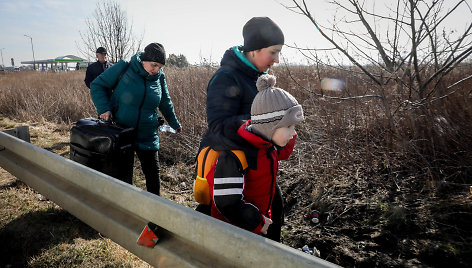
(306, 12)
(109, 27)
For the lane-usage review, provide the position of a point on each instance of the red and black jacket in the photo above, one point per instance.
(241, 197)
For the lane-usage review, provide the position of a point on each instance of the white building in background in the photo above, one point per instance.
(59, 63)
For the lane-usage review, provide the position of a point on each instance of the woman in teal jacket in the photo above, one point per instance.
(140, 93)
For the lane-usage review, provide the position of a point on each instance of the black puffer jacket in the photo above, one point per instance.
(230, 93)
(94, 70)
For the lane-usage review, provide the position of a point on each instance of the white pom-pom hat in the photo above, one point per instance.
(273, 108)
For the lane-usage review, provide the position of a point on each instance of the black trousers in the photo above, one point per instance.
(277, 216)
(150, 165)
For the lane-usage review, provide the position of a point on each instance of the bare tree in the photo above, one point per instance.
(108, 27)
(409, 44)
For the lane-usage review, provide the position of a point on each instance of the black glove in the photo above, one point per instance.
(161, 120)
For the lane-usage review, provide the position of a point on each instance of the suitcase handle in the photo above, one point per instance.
(111, 124)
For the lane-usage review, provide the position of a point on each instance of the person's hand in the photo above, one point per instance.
(106, 116)
(267, 222)
(179, 130)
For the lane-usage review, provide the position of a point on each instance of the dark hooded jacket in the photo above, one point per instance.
(230, 93)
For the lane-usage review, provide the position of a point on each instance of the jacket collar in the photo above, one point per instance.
(138, 67)
(234, 59)
(255, 140)
(238, 51)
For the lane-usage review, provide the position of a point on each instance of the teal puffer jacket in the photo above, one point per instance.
(136, 91)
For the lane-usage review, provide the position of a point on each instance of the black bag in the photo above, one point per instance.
(103, 146)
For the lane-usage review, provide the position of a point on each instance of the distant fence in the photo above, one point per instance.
(120, 211)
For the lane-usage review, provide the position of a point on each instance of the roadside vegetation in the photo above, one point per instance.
(387, 197)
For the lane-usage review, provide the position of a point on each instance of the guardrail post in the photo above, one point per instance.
(21, 132)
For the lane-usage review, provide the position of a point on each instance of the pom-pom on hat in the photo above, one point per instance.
(273, 108)
(154, 52)
(261, 32)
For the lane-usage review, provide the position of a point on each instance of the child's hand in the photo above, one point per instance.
(267, 222)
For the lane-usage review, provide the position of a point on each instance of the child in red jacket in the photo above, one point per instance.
(244, 197)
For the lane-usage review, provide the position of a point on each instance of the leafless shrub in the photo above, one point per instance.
(401, 45)
(347, 133)
(338, 136)
(187, 87)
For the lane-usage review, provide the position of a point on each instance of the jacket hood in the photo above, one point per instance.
(137, 66)
(255, 140)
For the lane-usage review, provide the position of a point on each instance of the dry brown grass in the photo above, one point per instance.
(40, 233)
(45, 96)
(432, 132)
(368, 181)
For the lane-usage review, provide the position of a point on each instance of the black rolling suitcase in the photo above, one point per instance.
(103, 146)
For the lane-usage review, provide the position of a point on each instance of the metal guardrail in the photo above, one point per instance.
(120, 211)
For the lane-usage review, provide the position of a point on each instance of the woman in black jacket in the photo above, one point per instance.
(233, 86)
(232, 89)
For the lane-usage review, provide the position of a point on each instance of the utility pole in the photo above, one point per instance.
(32, 49)
(1, 50)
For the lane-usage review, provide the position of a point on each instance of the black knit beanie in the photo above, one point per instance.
(154, 52)
(261, 32)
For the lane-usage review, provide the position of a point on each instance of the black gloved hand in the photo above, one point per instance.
(161, 120)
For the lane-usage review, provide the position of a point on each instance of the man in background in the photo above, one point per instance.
(96, 68)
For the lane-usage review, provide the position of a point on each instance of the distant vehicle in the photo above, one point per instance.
(10, 69)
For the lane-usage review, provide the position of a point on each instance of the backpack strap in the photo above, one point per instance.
(160, 118)
(206, 159)
(241, 157)
(112, 89)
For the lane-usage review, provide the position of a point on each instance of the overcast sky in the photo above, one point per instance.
(195, 28)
